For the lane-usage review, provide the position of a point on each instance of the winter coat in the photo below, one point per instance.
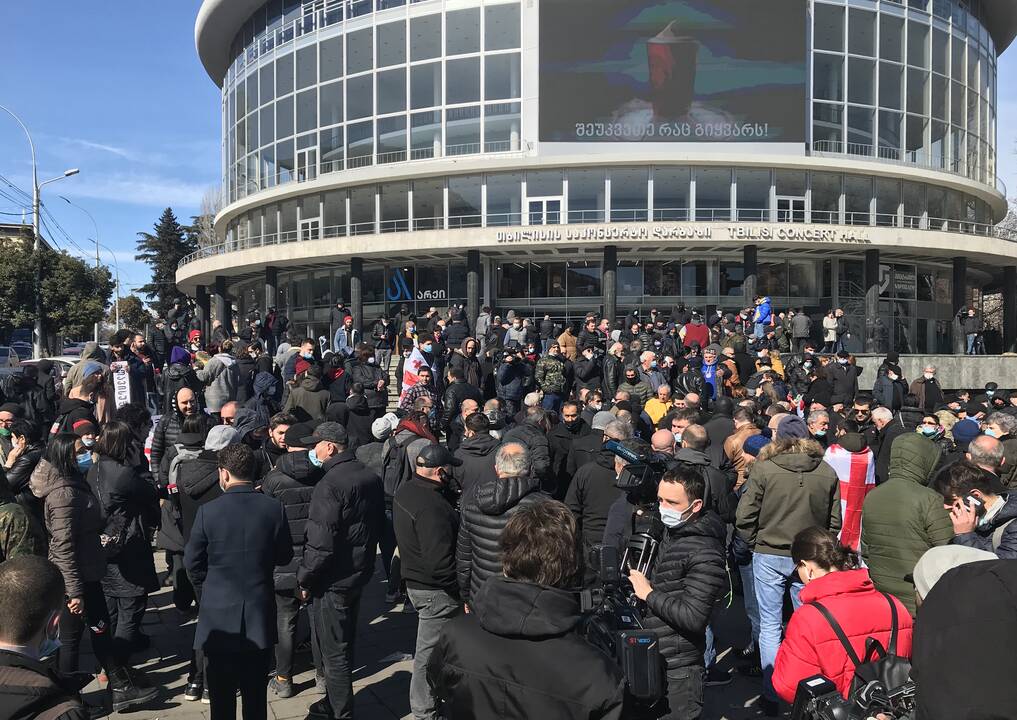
(720, 494)
(690, 382)
(73, 517)
(166, 434)
(590, 496)
(696, 333)
(829, 329)
(485, 512)
(292, 483)
(810, 645)
(801, 326)
(521, 635)
(588, 374)
(34, 690)
(981, 536)
(477, 454)
(70, 411)
(426, 526)
(844, 379)
(889, 393)
(345, 522)
(901, 424)
(764, 312)
(178, 376)
(368, 375)
(614, 373)
(689, 576)
(221, 375)
(733, 449)
(560, 440)
(197, 485)
(928, 392)
(20, 532)
(902, 518)
(308, 401)
(534, 439)
(18, 476)
(356, 417)
(550, 375)
(469, 364)
(123, 491)
(455, 394)
(512, 380)
(787, 492)
(246, 370)
(568, 344)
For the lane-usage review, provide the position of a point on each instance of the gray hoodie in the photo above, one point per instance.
(221, 376)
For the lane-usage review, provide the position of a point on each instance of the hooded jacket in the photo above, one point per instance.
(73, 518)
(810, 645)
(356, 416)
(486, 510)
(263, 398)
(469, 364)
(688, 578)
(786, 492)
(198, 480)
(222, 376)
(477, 454)
(764, 313)
(902, 518)
(292, 483)
(176, 377)
(308, 400)
(523, 636)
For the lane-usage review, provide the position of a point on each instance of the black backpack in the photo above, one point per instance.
(879, 664)
(395, 466)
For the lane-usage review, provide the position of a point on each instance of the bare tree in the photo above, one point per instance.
(204, 222)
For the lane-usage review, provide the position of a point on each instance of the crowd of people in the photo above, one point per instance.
(480, 458)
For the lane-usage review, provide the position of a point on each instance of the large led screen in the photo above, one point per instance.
(672, 70)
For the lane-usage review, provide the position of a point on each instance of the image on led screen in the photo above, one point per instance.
(672, 70)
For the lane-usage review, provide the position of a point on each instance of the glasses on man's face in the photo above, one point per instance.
(861, 411)
(6, 421)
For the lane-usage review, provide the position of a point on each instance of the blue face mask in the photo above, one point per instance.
(990, 393)
(49, 646)
(653, 364)
(308, 356)
(427, 348)
(673, 518)
(820, 433)
(312, 455)
(989, 432)
(930, 431)
(84, 461)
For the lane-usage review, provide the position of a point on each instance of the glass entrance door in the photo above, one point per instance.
(544, 210)
(790, 209)
(307, 164)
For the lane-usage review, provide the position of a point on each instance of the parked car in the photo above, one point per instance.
(23, 349)
(9, 361)
(63, 362)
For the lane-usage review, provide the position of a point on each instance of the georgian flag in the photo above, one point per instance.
(411, 368)
(857, 474)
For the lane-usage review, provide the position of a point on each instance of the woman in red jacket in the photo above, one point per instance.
(832, 577)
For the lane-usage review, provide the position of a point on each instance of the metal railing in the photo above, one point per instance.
(514, 219)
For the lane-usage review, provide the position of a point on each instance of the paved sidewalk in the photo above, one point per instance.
(385, 642)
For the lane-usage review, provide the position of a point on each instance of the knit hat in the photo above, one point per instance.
(754, 443)
(81, 428)
(895, 369)
(853, 442)
(179, 356)
(792, 427)
(193, 334)
(601, 420)
(964, 431)
(220, 436)
(937, 561)
(384, 426)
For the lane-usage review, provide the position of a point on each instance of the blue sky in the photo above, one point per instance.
(114, 87)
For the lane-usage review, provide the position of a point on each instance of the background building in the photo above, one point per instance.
(566, 155)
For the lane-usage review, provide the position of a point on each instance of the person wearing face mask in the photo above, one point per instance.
(929, 427)
(835, 586)
(550, 376)
(927, 390)
(688, 577)
(889, 389)
(426, 529)
(236, 541)
(31, 597)
(74, 526)
(843, 377)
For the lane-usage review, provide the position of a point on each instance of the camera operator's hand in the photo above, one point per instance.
(640, 585)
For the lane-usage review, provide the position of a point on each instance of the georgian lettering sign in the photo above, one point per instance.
(683, 231)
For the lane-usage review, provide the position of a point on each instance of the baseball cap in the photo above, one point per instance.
(436, 456)
(937, 561)
(328, 431)
(220, 436)
(601, 420)
(295, 434)
(384, 426)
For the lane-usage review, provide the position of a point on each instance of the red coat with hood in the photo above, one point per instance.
(810, 646)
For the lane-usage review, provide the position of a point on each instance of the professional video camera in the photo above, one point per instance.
(642, 474)
(817, 698)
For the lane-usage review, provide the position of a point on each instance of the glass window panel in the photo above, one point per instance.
(266, 82)
(772, 277)
(940, 87)
(543, 183)
(362, 210)
(825, 197)
(670, 193)
(828, 28)
(861, 81)
(267, 136)
(288, 216)
(583, 279)
(914, 203)
(851, 280)
(462, 31)
(827, 126)
(285, 160)
(857, 199)
(802, 279)
(330, 101)
(940, 51)
(501, 76)
(268, 168)
(331, 54)
(918, 91)
(713, 193)
(791, 183)
(425, 135)
(253, 140)
(662, 278)
(428, 204)
(753, 195)
(501, 27)
(425, 85)
(513, 281)
(359, 51)
(359, 143)
(891, 41)
(862, 32)
(547, 279)
(504, 198)
(890, 134)
(586, 195)
(392, 139)
(284, 117)
(359, 97)
(828, 76)
(695, 274)
(462, 130)
(890, 85)
(915, 147)
(918, 44)
(391, 44)
(284, 75)
(462, 83)
(501, 127)
(307, 110)
(425, 37)
(629, 194)
(394, 203)
(887, 201)
(936, 201)
(252, 92)
(307, 67)
(464, 202)
(860, 130)
(432, 282)
(958, 51)
(391, 91)
(331, 148)
(241, 106)
(972, 65)
(629, 279)
(732, 277)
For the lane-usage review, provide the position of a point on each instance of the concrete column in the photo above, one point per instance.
(609, 282)
(960, 297)
(871, 300)
(750, 266)
(472, 287)
(223, 310)
(1010, 308)
(202, 302)
(271, 288)
(356, 292)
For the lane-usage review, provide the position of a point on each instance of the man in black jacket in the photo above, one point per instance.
(476, 453)
(687, 579)
(426, 525)
(456, 392)
(347, 515)
(520, 642)
(561, 437)
(236, 541)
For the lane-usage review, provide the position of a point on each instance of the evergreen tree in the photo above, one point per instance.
(162, 251)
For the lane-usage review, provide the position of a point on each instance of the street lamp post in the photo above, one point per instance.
(36, 236)
(95, 227)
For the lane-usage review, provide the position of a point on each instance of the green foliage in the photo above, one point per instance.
(162, 251)
(133, 314)
(74, 294)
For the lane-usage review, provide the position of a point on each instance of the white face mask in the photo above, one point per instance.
(929, 376)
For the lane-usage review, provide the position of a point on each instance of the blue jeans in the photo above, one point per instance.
(770, 577)
(758, 330)
(971, 342)
(551, 401)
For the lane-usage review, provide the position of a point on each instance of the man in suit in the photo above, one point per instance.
(235, 542)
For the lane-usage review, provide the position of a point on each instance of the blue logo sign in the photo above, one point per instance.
(397, 290)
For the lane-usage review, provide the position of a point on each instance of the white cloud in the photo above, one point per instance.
(111, 149)
(139, 189)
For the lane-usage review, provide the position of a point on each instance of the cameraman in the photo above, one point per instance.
(688, 578)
